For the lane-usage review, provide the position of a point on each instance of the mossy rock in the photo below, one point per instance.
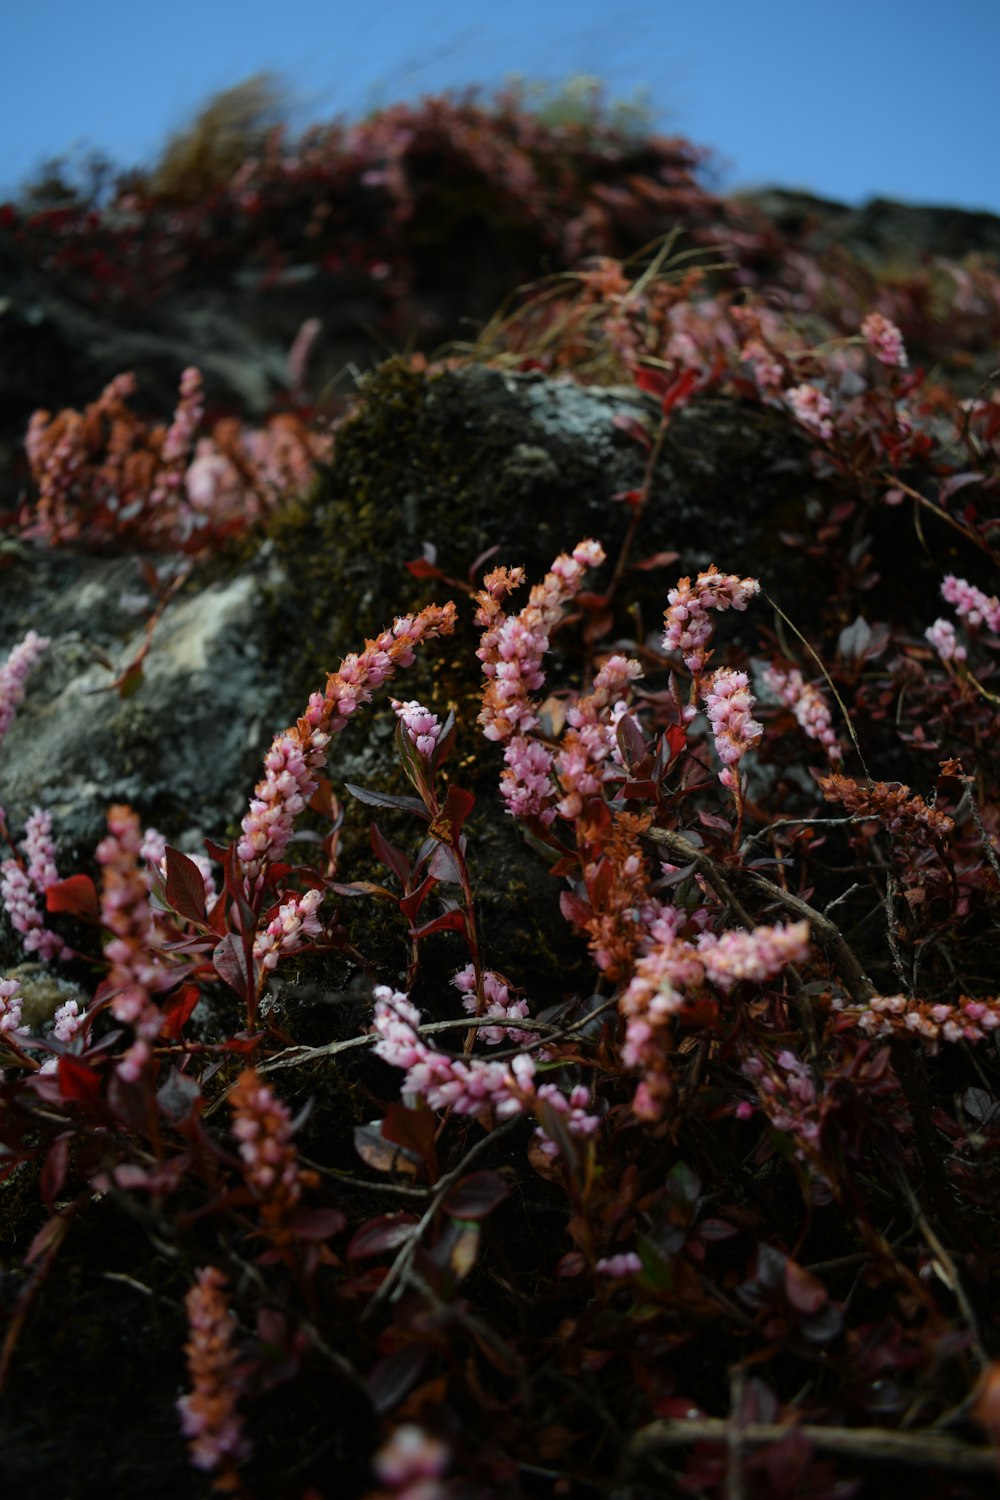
(476, 458)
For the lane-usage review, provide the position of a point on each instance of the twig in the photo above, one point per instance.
(948, 1265)
(879, 1444)
(856, 982)
(294, 1057)
(677, 845)
(401, 1265)
(734, 1436)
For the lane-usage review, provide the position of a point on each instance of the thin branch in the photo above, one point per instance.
(856, 982)
(954, 1281)
(879, 1444)
(678, 846)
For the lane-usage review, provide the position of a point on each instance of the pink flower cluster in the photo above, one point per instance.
(945, 642)
(687, 626)
(736, 955)
(526, 785)
(14, 674)
(469, 1085)
(674, 970)
(68, 1021)
(422, 727)
(807, 704)
(812, 409)
(590, 742)
(729, 705)
(895, 1015)
(885, 341)
(512, 646)
(286, 933)
(23, 887)
(136, 972)
(499, 1005)
(281, 795)
(767, 372)
(787, 1095)
(209, 1414)
(297, 753)
(190, 410)
(616, 1267)
(263, 1126)
(971, 604)
(10, 1005)
(411, 1463)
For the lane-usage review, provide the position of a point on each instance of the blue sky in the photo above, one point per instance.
(850, 100)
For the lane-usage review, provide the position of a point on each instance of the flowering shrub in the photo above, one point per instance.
(106, 475)
(720, 1218)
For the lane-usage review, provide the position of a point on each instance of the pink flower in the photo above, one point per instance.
(729, 705)
(209, 1414)
(14, 674)
(421, 725)
(971, 604)
(807, 704)
(10, 1006)
(298, 752)
(23, 887)
(263, 1126)
(136, 971)
(618, 1266)
(945, 642)
(526, 784)
(410, 1454)
(286, 933)
(812, 409)
(736, 955)
(512, 647)
(885, 340)
(767, 372)
(687, 627)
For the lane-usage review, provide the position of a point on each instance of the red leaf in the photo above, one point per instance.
(54, 1169)
(656, 560)
(77, 895)
(415, 1130)
(679, 391)
(458, 804)
(675, 736)
(79, 1083)
(395, 1375)
(185, 885)
(421, 568)
(654, 381)
(476, 1196)
(229, 962)
(411, 904)
(805, 1292)
(382, 1155)
(635, 429)
(318, 1223)
(178, 1009)
(573, 909)
(716, 1229)
(448, 921)
(387, 1232)
(387, 854)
